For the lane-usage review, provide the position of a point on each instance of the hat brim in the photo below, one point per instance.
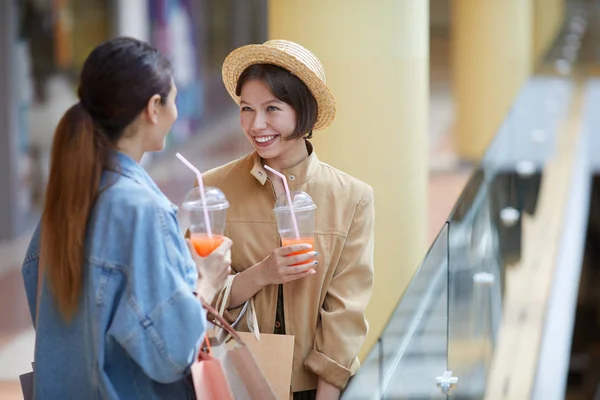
(240, 59)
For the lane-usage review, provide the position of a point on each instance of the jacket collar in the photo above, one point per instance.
(126, 166)
(296, 175)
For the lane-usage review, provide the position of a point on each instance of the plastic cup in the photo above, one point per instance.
(216, 205)
(304, 209)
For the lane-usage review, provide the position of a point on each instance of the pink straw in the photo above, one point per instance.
(202, 195)
(289, 198)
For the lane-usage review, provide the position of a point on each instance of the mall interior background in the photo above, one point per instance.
(54, 37)
(48, 40)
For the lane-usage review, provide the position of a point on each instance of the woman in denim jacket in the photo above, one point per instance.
(117, 316)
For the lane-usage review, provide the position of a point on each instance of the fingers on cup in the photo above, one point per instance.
(227, 257)
(294, 248)
(300, 275)
(225, 246)
(192, 248)
(300, 258)
(300, 269)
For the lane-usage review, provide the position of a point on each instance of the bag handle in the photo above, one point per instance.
(224, 294)
(251, 320)
(223, 323)
(222, 300)
(250, 314)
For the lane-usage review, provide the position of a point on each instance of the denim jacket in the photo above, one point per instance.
(138, 326)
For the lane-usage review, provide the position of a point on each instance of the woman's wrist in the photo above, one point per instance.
(327, 391)
(258, 276)
(205, 291)
(246, 284)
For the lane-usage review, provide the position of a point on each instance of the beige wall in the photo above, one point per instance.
(491, 49)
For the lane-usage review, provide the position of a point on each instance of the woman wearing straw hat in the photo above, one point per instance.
(283, 97)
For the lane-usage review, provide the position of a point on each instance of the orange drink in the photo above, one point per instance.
(289, 242)
(295, 217)
(204, 244)
(201, 221)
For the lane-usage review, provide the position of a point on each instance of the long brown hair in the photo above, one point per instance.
(117, 80)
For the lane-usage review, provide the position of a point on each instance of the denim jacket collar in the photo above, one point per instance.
(128, 167)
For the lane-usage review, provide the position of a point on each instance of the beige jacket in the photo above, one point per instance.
(325, 312)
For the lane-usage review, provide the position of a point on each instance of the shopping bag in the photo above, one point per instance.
(245, 377)
(27, 384)
(209, 378)
(273, 353)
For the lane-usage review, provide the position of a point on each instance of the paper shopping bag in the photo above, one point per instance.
(245, 377)
(27, 384)
(274, 354)
(209, 378)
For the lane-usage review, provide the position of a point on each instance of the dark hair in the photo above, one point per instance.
(289, 89)
(117, 80)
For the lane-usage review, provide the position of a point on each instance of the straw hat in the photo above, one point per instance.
(290, 56)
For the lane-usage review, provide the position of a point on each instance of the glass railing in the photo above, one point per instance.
(413, 347)
(440, 340)
(475, 282)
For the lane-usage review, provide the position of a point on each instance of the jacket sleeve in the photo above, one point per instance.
(343, 327)
(158, 320)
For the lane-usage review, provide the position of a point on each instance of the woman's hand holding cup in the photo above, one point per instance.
(282, 267)
(213, 269)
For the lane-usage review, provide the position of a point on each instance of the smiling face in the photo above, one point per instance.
(268, 122)
(277, 111)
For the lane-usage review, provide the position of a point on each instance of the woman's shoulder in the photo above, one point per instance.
(126, 198)
(235, 168)
(125, 214)
(341, 182)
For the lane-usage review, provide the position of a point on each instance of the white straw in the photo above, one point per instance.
(202, 195)
(289, 198)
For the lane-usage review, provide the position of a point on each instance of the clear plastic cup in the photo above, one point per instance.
(304, 209)
(193, 208)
